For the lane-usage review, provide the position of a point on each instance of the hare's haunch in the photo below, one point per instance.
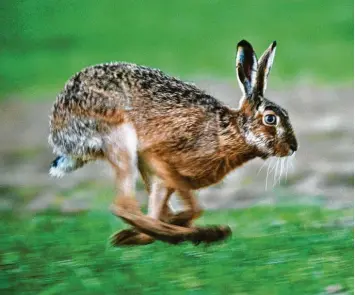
(178, 137)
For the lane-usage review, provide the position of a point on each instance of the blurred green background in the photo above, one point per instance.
(43, 42)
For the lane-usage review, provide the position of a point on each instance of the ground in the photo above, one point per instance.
(286, 250)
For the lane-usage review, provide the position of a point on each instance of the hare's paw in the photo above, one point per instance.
(210, 234)
(194, 235)
(130, 237)
(183, 218)
(165, 232)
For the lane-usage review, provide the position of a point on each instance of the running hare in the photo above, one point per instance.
(177, 136)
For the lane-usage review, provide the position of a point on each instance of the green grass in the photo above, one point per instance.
(43, 42)
(284, 250)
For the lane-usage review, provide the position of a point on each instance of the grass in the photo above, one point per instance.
(282, 250)
(43, 42)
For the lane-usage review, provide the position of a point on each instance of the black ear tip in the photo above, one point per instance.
(274, 44)
(244, 43)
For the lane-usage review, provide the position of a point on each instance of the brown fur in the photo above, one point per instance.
(126, 208)
(178, 137)
(130, 237)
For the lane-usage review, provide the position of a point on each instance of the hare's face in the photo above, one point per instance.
(267, 127)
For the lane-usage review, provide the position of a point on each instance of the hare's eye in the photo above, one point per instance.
(270, 119)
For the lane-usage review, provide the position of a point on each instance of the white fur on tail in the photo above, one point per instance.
(62, 165)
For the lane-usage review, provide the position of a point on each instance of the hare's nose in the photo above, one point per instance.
(293, 145)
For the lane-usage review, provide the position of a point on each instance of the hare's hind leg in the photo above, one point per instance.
(158, 208)
(120, 147)
(158, 199)
(121, 152)
(166, 232)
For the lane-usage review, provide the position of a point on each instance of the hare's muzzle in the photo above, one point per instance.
(293, 146)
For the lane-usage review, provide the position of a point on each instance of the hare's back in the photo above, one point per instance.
(155, 85)
(125, 85)
(121, 82)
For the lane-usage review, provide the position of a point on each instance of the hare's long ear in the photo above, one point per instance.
(246, 66)
(264, 66)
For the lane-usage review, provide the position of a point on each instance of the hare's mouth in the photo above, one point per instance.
(284, 155)
(284, 150)
(291, 152)
(265, 156)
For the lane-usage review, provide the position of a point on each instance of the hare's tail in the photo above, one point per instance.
(64, 164)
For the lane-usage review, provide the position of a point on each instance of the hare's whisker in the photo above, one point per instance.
(275, 172)
(262, 166)
(267, 173)
(287, 163)
(282, 168)
(291, 161)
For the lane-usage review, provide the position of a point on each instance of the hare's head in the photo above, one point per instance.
(265, 124)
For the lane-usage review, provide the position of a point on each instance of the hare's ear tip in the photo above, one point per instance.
(243, 43)
(273, 44)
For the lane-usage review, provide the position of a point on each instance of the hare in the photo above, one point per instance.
(178, 137)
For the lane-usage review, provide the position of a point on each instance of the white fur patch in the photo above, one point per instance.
(269, 64)
(124, 139)
(65, 164)
(94, 143)
(131, 137)
(280, 131)
(155, 199)
(56, 172)
(258, 141)
(270, 60)
(241, 101)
